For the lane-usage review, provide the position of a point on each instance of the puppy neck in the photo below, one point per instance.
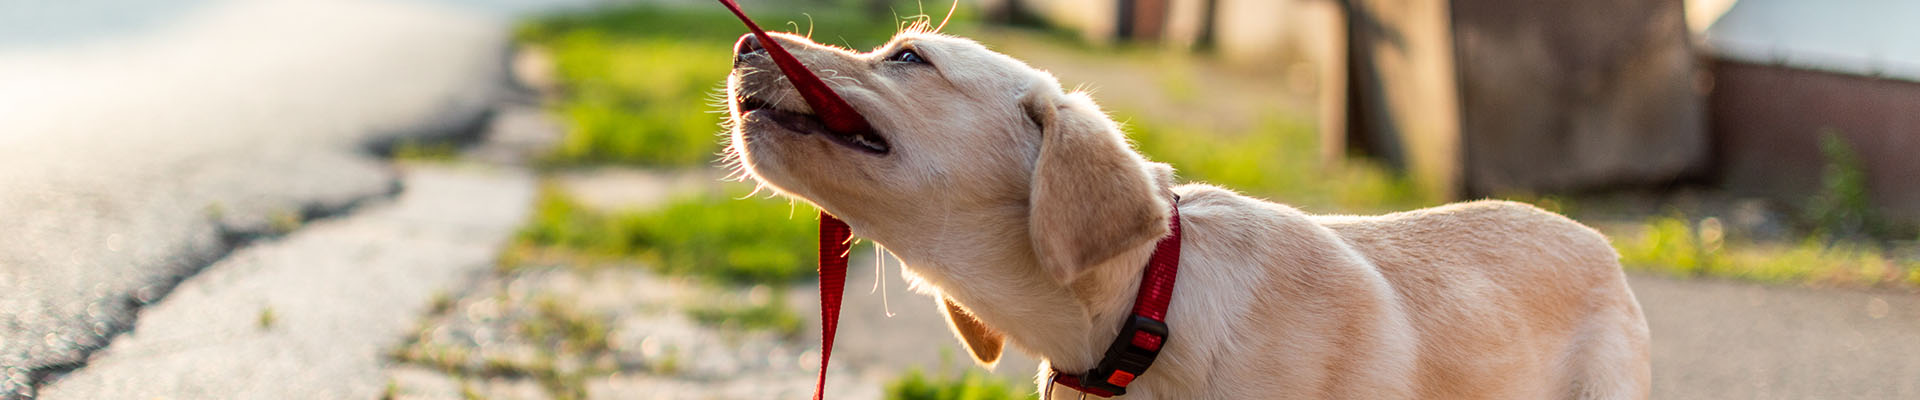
(1107, 293)
(984, 260)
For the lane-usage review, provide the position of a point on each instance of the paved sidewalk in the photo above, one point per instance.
(128, 162)
(312, 315)
(1716, 339)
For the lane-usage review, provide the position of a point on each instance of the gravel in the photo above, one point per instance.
(481, 343)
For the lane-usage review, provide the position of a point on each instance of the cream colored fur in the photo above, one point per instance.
(1024, 210)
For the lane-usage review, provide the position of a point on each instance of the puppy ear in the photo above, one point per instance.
(1092, 197)
(984, 342)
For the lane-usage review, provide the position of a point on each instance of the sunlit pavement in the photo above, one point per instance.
(133, 159)
(1716, 339)
(312, 315)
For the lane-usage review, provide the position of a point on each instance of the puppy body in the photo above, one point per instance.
(1022, 208)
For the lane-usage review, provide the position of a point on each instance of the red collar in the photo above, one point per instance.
(1143, 334)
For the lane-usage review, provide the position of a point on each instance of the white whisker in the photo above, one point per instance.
(880, 276)
(878, 272)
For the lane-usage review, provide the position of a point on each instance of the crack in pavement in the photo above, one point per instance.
(130, 165)
(312, 314)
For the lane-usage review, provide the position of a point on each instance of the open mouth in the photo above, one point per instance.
(807, 124)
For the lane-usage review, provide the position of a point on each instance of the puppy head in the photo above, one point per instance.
(956, 126)
(942, 109)
(954, 122)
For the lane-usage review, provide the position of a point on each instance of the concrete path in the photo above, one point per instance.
(1732, 340)
(129, 161)
(311, 315)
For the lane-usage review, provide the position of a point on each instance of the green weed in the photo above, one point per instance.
(266, 318)
(1680, 247)
(1842, 207)
(971, 385)
(745, 241)
(391, 391)
(1279, 160)
(640, 102)
(467, 392)
(638, 80)
(284, 221)
(1670, 244)
(1836, 252)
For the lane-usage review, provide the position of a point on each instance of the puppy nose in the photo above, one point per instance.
(747, 45)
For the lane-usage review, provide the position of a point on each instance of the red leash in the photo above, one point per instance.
(833, 111)
(835, 235)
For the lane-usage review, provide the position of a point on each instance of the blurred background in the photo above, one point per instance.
(522, 199)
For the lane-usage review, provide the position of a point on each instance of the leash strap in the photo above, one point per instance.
(835, 235)
(832, 110)
(835, 238)
(1142, 335)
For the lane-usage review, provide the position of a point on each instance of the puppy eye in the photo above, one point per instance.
(907, 56)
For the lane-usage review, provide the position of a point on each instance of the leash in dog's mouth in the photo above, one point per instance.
(808, 124)
(838, 120)
(833, 117)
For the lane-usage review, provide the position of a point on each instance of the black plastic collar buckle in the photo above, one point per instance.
(1139, 342)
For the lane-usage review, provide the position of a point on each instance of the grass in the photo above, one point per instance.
(1682, 247)
(638, 80)
(971, 385)
(724, 240)
(1837, 249)
(727, 241)
(1278, 160)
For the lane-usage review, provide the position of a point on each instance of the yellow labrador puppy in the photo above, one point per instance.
(1025, 211)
